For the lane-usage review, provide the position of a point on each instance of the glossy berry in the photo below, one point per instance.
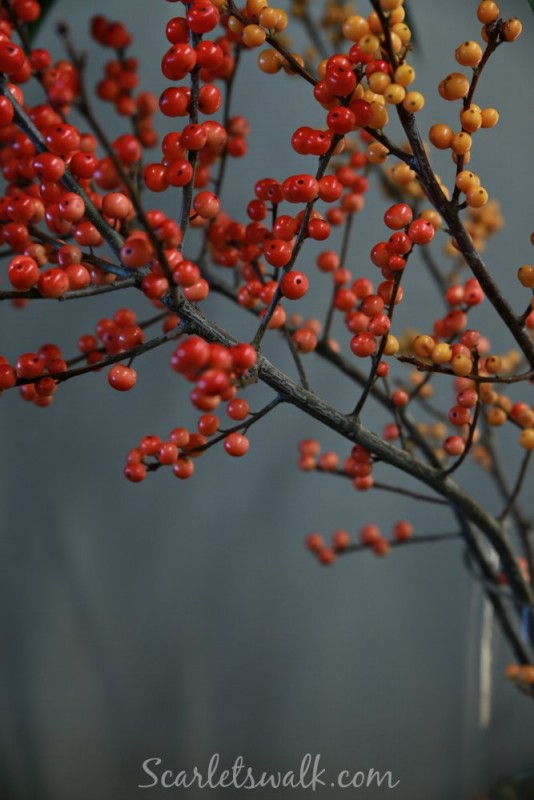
(122, 378)
(236, 444)
(398, 216)
(294, 285)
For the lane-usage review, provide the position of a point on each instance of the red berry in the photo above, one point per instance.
(11, 57)
(122, 378)
(23, 272)
(402, 531)
(398, 216)
(421, 231)
(236, 444)
(202, 16)
(53, 283)
(294, 285)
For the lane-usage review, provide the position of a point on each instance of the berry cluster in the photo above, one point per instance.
(369, 536)
(74, 224)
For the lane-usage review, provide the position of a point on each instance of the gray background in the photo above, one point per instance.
(181, 619)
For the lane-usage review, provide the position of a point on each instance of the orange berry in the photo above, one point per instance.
(413, 102)
(253, 35)
(461, 143)
(490, 117)
(466, 180)
(511, 29)
(471, 119)
(270, 61)
(526, 438)
(476, 197)
(455, 86)
(526, 276)
(469, 54)
(488, 12)
(355, 28)
(441, 136)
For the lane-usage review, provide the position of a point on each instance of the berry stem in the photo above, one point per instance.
(347, 230)
(75, 294)
(517, 487)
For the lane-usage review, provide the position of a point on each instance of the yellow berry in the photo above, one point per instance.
(392, 345)
(492, 364)
(380, 116)
(405, 75)
(254, 8)
(471, 119)
(401, 174)
(469, 54)
(455, 86)
(269, 17)
(369, 44)
(423, 345)
(442, 353)
(413, 102)
(466, 180)
(395, 93)
(476, 197)
(253, 35)
(433, 216)
(461, 143)
(374, 23)
(235, 26)
(396, 42)
(355, 27)
(461, 364)
(378, 82)
(401, 30)
(376, 153)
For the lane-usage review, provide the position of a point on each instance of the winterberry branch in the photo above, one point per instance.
(74, 294)
(422, 366)
(296, 357)
(431, 538)
(124, 355)
(492, 44)
(355, 432)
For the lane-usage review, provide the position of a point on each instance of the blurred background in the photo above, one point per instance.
(180, 619)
